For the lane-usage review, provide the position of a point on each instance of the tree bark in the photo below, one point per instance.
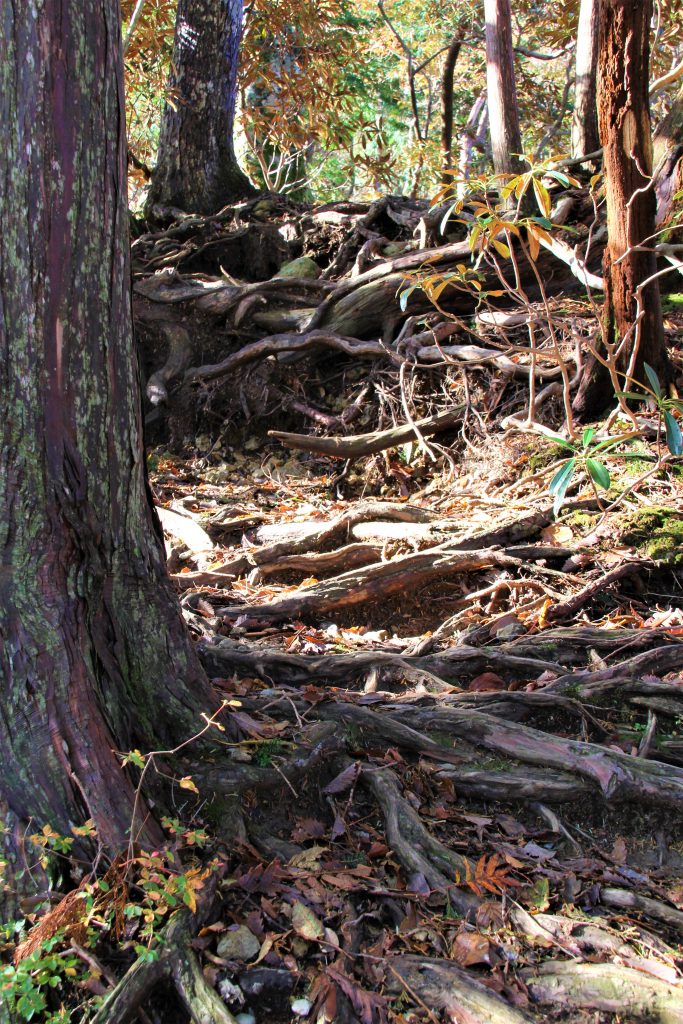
(196, 165)
(668, 159)
(632, 314)
(585, 135)
(452, 55)
(94, 656)
(506, 138)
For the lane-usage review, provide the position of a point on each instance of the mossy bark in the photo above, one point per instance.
(197, 169)
(94, 657)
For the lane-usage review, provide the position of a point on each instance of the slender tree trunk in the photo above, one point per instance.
(506, 138)
(474, 136)
(196, 165)
(585, 135)
(94, 656)
(668, 159)
(447, 107)
(624, 122)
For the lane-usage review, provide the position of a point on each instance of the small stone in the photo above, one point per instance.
(230, 993)
(301, 1007)
(239, 944)
(245, 1018)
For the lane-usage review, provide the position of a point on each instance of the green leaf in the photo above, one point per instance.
(598, 473)
(447, 216)
(674, 438)
(543, 222)
(587, 436)
(403, 298)
(560, 482)
(653, 379)
(561, 442)
(634, 396)
(609, 442)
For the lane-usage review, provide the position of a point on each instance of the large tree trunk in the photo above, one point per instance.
(196, 165)
(94, 656)
(631, 312)
(585, 136)
(506, 138)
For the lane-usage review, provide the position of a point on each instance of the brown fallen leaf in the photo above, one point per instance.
(470, 948)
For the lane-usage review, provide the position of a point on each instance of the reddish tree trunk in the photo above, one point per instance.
(624, 122)
(94, 656)
(506, 138)
(196, 165)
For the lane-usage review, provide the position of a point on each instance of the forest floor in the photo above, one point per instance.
(456, 715)
(459, 729)
(461, 761)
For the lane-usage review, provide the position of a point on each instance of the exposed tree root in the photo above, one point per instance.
(417, 850)
(297, 669)
(176, 962)
(445, 986)
(383, 579)
(608, 987)
(623, 899)
(367, 444)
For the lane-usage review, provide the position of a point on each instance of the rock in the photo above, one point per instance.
(303, 267)
(239, 944)
(268, 988)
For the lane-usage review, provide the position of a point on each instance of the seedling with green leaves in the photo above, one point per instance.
(583, 457)
(665, 406)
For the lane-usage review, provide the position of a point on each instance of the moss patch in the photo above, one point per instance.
(581, 522)
(657, 532)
